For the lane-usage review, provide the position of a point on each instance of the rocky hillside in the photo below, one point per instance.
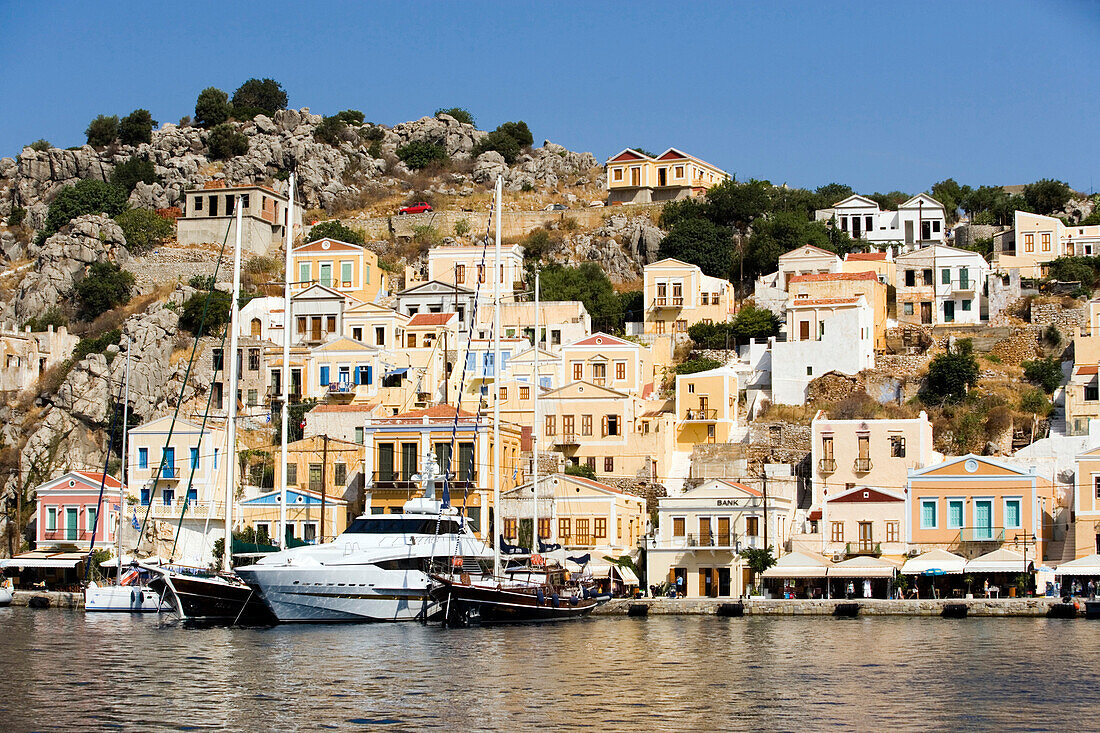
(332, 177)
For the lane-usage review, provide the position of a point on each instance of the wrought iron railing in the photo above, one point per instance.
(862, 465)
(826, 465)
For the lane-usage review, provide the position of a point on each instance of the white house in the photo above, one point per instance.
(940, 284)
(823, 335)
(919, 222)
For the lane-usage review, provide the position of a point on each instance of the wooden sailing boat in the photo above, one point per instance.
(536, 593)
(223, 597)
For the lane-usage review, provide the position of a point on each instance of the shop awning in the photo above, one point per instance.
(393, 372)
(798, 565)
(626, 575)
(863, 567)
(947, 563)
(37, 560)
(1089, 565)
(999, 561)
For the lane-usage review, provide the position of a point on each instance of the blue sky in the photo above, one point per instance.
(880, 96)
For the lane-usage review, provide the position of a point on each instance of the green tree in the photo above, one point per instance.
(85, 197)
(675, 212)
(519, 132)
(755, 323)
(1073, 269)
(136, 128)
(40, 145)
(1047, 196)
(587, 283)
(297, 415)
(644, 151)
(889, 200)
(144, 229)
(1035, 402)
(509, 139)
(459, 113)
(632, 304)
(211, 107)
(1045, 373)
(738, 205)
(713, 335)
(832, 193)
(697, 364)
(700, 242)
(225, 142)
(350, 117)
(580, 469)
(126, 175)
(106, 286)
(265, 95)
(951, 374)
(217, 312)
(949, 193)
(783, 231)
(758, 560)
(330, 130)
(334, 229)
(421, 154)
(102, 131)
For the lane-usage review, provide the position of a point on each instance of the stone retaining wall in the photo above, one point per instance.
(1067, 320)
(867, 607)
(57, 599)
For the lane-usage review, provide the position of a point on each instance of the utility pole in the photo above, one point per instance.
(324, 468)
(764, 483)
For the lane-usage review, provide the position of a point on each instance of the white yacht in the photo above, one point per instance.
(377, 570)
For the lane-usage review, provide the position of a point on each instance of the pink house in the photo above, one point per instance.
(67, 510)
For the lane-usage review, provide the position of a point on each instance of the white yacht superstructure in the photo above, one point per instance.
(377, 570)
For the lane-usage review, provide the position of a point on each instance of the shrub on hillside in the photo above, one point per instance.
(144, 229)
(698, 364)
(127, 174)
(95, 344)
(1045, 373)
(1033, 401)
(40, 145)
(459, 113)
(106, 286)
(102, 131)
(136, 128)
(225, 142)
(951, 374)
(580, 469)
(330, 130)
(350, 117)
(215, 305)
(374, 133)
(266, 95)
(86, 197)
(53, 317)
(420, 154)
(509, 139)
(17, 215)
(211, 107)
(333, 229)
(201, 282)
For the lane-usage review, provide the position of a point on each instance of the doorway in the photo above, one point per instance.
(926, 312)
(72, 519)
(983, 519)
(908, 232)
(723, 581)
(948, 311)
(662, 176)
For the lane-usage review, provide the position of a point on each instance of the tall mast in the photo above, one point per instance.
(497, 452)
(285, 381)
(231, 433)
(535, 430)
(125, 459)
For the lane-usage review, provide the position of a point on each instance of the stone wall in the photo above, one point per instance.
(776, 441)
(803, 607)
(1069, 321)
(1019, 347)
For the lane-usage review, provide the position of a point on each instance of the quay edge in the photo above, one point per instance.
(1020, 607)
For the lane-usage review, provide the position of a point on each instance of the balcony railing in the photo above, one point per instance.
(599, 381)
(195, 509)
(711, 539)
(863, 547)
(701, 415)
(826, 465)
(403, 481)
(341, 388)
(982, 534)
(70, 535)
(675, 302)
(566, 439)
(862, 465)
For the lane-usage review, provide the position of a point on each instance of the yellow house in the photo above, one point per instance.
(845, 285)
(1083, 390)
(636, 178)
(805, 260)
(376, 325)
(881, 263)
(577, 513)
(395, 447)
(1037, 240)
(706, 407)
(700, 534)
(608, 361)
(972, 505)
(678, 294)
(303, 516)
(1086, 505)
(348, 268)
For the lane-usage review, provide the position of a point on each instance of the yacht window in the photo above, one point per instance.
(400, 525)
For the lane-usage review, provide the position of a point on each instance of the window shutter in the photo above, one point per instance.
(370, 375)
(603, 426)
(324, 376)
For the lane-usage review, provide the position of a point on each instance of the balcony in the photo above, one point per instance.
(982, 534)
(701, 415)
(826, 465)
(403, 481)
(863, 547)
(174, 509)
(676, 302)
(341, 388)
(566, 439)
(599, 381)
(712, 539)
(861, 465)
(964, 286)
(70, 535)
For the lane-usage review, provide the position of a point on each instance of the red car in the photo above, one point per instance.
(418, 208)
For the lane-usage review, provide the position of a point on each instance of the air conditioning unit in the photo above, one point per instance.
(838, 556)
(912, 553)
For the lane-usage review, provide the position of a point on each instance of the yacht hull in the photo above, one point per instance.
(123, 599)
(462, 602)
(212, 600)
(341, 594)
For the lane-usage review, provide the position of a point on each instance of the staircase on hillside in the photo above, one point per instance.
(1063, 550)
(678, 472)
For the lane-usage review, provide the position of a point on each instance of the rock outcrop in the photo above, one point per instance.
(62, 260)
(621, 247)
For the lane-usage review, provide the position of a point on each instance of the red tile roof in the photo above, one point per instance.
(814, 516)
(430, 319)
(866, 256)
(1086, 369)
(602, 339)
(97, 477)
(594, 484)
(865, 495)
(434, 411)
(820, 277)
(346, 408)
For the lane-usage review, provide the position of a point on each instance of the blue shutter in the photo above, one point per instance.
(504, 361)
(324, 376)
(370, 375)
(471, 360)
(356, 375)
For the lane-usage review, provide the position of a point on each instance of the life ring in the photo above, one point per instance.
(456, 562)
(538, 560)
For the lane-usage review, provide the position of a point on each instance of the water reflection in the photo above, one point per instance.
(69, 671)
